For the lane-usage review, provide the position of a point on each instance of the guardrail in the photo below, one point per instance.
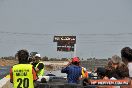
(5, 83)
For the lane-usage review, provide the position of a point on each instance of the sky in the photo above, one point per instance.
(102, 27)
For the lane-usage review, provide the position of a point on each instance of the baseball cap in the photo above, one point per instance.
(85, 69)
(75, 59)
(37, 55)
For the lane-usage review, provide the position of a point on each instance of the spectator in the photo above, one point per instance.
(116, 68)
(84, 72)
(101, 73)
(73, 71)
(23, 75)
(90, 74)
(126, 54)
(84, 77)
(95, 73)
(39, 66)
(33, 61)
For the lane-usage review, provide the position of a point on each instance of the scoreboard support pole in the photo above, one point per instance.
(75, 50)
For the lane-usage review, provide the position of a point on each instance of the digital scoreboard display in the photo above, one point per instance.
(65, 43)
(71, 39)
(65, 49)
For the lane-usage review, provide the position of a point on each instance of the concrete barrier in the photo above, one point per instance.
(5, 83)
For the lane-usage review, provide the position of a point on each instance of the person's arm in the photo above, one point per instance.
(39, 67)
(66, 68)
(35, 77)
(36, 69)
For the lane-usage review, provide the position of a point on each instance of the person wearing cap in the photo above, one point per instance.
(73, 71)
(23, 74)
(84, 77)
(116, 68)
(84, 72)
(39, 66)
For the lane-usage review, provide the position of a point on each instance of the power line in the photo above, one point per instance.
(82, 38)
(18, 33)
(79, 34)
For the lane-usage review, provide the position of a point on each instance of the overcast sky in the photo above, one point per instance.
(102, 27)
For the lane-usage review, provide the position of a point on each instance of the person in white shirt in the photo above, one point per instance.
(126, 54)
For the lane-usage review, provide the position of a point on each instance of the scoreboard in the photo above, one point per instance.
(65, 43)
(71, 39)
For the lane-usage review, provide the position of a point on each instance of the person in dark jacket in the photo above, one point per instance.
(73, 71)
(116, 68)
